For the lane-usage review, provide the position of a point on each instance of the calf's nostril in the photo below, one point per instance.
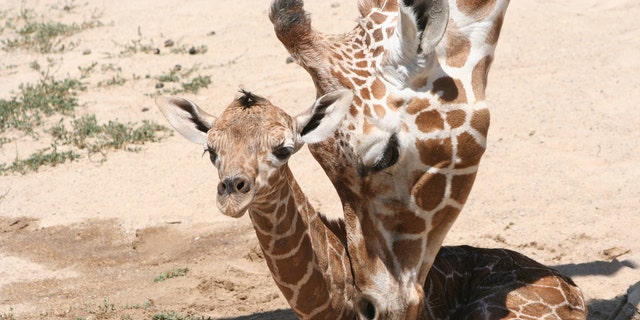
(243, 186)
(222, 187)
(232, 185)
(367, 309)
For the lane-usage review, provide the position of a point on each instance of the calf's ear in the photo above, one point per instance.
(186, 117)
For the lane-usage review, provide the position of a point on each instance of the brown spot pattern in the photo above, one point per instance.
(377, 17)
(365, 94)
(301, 259)
(341, 78)
(354, 112)
(417, 105)
(377, 35)
(441, 223)
(313, 289)
(408, 252)
(458, 47)
(435, 152)
(480, 76)
(357, 101)
(480, 121)
(494, 33)
(429, 191)
(469, 151)
(451, 90)
(378, 89)
(430, 121)
(359, 82)
(456, 118)
(394, 103)
(478, 9)
(461, 187)
(404, 222)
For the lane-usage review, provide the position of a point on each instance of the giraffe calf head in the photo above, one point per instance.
(252, 140)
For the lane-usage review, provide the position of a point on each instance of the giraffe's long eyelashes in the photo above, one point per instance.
(282, 153)
(376, 160)
(213, 156)
(389, 156)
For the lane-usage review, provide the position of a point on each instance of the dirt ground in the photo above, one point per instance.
(560, 181)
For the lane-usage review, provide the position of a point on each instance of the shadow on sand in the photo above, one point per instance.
(600, 309)
(280, 314)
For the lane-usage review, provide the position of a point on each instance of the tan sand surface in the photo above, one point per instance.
(560, 181)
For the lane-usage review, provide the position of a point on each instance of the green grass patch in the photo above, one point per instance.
(98, 138)
(116, 80)
(194, 85)
(174, 273)
(34, 102)
(136, 46)
(172, 315)
(46, 157)
(34, 34)
(184, 79)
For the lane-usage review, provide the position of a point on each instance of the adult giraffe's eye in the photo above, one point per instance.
(283, 153)
(390, 155)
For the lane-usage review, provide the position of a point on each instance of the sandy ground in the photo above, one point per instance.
(560, 181)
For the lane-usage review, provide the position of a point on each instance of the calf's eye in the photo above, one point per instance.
(283, 153)
(212, 155)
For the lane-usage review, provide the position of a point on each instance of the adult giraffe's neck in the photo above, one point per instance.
(306, 259)
(468, 46)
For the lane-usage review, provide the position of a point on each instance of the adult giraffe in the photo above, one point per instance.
(404, 160)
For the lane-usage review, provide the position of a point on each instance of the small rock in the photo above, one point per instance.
(86, 52)
(289, 60)
(228, 285)
(169, 43)
(156, 51)
(193, 50)
(335, 5)
(177, 67)
(159, 85)
(145, 109)
(211, 33)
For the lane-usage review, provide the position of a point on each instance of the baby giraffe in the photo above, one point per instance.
(250, 144)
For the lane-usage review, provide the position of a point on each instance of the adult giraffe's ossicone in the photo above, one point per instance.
(404, 160)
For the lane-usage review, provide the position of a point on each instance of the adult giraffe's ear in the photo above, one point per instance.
(322, 119)
(421, 26)
(187, 118)
(432, 18)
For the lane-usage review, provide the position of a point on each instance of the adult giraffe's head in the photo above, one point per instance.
(404, 160)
